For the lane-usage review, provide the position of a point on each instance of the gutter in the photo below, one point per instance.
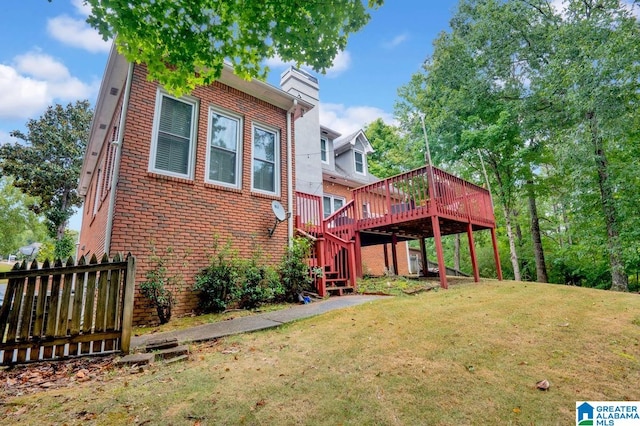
(116, 163)
(290, 173)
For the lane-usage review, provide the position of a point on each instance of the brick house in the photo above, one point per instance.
(187, 171)
(172, 176)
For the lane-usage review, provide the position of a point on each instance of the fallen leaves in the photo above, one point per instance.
(31, 378)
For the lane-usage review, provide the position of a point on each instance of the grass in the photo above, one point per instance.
(5, 267)
(468, 355)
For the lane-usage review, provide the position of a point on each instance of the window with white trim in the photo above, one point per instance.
(225, 149)
(359, 162)
(173, 136)
(331, 203)
(323, 150)
(265, 165)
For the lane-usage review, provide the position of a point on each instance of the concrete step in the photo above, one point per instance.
(135, 359)
(170, 353)
(161, 343)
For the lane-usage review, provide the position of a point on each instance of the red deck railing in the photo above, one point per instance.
(408, 196)
(309, 213)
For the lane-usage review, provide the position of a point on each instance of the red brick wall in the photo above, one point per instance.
(372, 256)
(185, 216)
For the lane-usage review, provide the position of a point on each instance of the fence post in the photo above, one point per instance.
(127, 308)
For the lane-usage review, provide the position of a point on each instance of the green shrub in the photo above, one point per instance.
(258, 284)
(154, 289)
(217, 284)
(294, 270)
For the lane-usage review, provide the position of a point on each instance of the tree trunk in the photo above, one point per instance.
(62, 226)
(456, 253)
(513, 254)
(619, 279)
(512, 247)
(538, 251)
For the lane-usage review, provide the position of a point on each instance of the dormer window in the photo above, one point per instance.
(323, 150)
(359, 162)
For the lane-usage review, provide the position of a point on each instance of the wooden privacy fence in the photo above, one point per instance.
(65, 311)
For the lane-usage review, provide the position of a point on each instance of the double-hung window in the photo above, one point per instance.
(331, 203)
(323, 150)
(225, 149)
(174, 136)
(265, 160)
(359, 162)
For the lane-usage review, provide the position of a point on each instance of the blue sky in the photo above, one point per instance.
(49, 55)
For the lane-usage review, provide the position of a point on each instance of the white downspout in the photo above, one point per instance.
(290, 173)
(116, 163)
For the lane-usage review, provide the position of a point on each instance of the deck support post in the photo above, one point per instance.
(472, 252)
(386, 257)
(442, 268)
(358, 252)
(394, 253)
(496, 256)
(320, 254)
(352, 266)
(425, 260)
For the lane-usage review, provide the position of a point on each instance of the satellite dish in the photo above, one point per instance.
(278, 210)
(280, 213)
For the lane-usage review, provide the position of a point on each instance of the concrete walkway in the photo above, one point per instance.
(216, 330)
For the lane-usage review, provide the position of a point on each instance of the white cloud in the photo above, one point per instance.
(35, 81)
(41, 66)
(348, 119)
(82, 8)
(77, 33)
(341, 63)
(396, 41)
(22, 96)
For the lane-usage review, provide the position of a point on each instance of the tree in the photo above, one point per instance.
(393, 153)
(185, 44)
(18, 225)
(550, 100)
(591, 77)
(46, 165)
(470, 93)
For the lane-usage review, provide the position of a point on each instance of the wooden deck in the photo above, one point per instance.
(404, 205)
(423, 203)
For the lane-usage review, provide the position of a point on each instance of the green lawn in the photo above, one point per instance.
(468, 355)
(4, 267)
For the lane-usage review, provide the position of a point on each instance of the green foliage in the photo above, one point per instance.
(66, 246)
(18, 225)
(46, 164)
(185, 44)
(155, 287)
(47, 250)
(549, 100)
(230, 281)
(294, 270)
(393, 152)
(258, 284)
(217, 284)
